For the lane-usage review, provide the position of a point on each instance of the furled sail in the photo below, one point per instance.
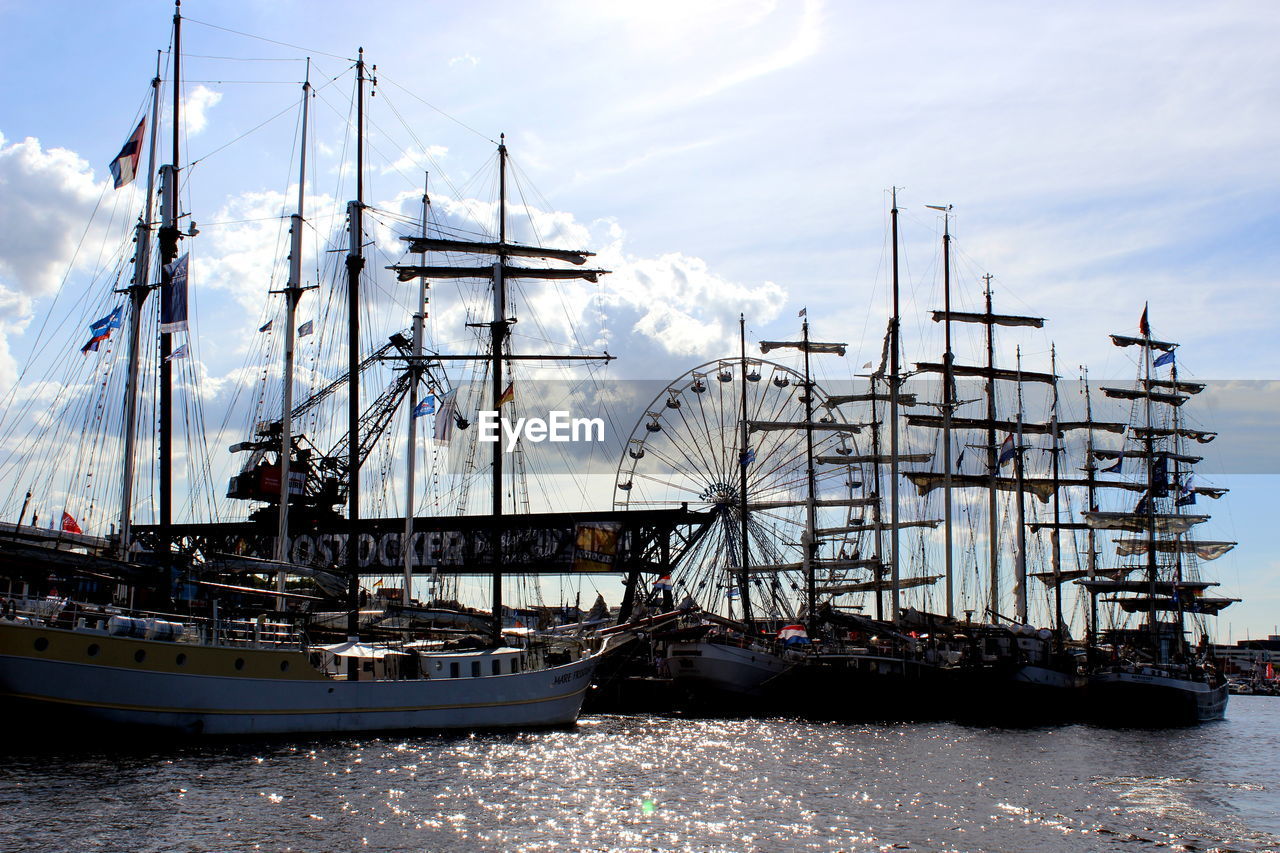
(877, 458)
(818, 426)
(881, 585)
(812, 346)
(1142, 454)
(1199, 435)
(967, 370)
(1137, 523)
(991, 319)
(931, 523)
(1203, 549)
(1191, 604)
(1127, 341)
(834, 400)
(1136, 394)
(926, 482)
(419, 245)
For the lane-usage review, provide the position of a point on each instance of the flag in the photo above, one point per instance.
(804, 312)
(377, 583)
(866, 366)
(1115, 467)
(125, 167)
(1007, 450)
(1144, 506)
(1144, 328)
(1167, 358)
(266, 327)
(180, 352)
(508, 395)
(734, 592)
(663, 583)
(794, 635)
(747, 456)
(445, 418)
(69, 524)
(426, 407)
(100, 330)
(1160, 476)
(1187, 495)
(305, 329)
(173, 298)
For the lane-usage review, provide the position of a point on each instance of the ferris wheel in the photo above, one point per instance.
(687, 449)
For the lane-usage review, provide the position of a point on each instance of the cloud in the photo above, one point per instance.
(195, 108)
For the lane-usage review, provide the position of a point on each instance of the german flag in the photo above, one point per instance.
(507, 395)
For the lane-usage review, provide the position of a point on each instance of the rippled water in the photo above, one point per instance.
(652, 783)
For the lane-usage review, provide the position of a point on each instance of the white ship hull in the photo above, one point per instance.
(192, 689)
(717, 671)
(1145, 698)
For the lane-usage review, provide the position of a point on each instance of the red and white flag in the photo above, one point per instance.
(125, 167)
(69, 524)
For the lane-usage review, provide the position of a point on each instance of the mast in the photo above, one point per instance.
(810, 538)
(744, 573)
(293, 295)
(1091, 478)
(498, 331)
(1056, 537)
(1020, 582)
(893, 420)
(355, 265)
(1150, 502)
(137, 296)
(948, 405)
(876, 506)
(168, 254)
(415, 368)
(993, 552)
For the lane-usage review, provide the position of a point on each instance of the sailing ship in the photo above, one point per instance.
(1151, 674)
(243, 658)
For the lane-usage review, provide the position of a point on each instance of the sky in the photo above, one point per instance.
(721, 157)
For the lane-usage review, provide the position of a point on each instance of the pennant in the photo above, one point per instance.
(663, 583)
(1115, 467)
(1144, 328)
(69, 524)
(747, 456)
(426, 407)
(180, 352)
(866, 366)
(1007, 450)
(306, 329)
(266, 327)
(173, 298)
(508, 395)
(1167, 358)
(125, 167)
(445, 418)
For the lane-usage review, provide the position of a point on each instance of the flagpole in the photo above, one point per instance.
(355, 266)
(293, 295)
(744, 574)
(498, 332)
(992, 460)
(415, 375)
(137, 297)
(948, 403)
(1020, 581)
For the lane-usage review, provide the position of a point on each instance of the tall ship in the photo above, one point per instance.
(265, 624)
(1146, 669)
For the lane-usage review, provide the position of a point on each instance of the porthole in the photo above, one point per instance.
(284, 666)
(41, 643)
(239, 663)
(140, 655)
(93, 650)
(181, 659)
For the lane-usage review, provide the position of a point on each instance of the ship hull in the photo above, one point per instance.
(1018, 695)
(708, 676)
(1146, 699)
(102, 681)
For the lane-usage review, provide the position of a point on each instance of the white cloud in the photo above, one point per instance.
(196, 107)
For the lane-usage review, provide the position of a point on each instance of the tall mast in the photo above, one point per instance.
(744, 573)
(1020, 580)
(137, 296)
(876, 506)
(1150, 502)
(893, 419)
(948, 404)
(809, 540)
(293, 295)
(1056, 536)
(415, 370)
(1091, 478)
(168, 254)
(993, 551)
(355, 265)
(498, 330)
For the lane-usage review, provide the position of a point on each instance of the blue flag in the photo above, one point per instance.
(1167, 358)
(747, 456)
(426, 407)
(1114, 468)
(173, 297)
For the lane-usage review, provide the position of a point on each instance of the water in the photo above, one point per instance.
(657, 784)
